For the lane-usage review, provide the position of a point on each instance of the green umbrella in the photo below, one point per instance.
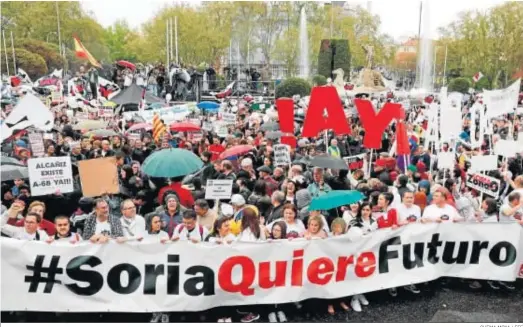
(260, 106)
(171, 163)
(335, 199)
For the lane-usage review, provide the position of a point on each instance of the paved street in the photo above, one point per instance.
(454, 302)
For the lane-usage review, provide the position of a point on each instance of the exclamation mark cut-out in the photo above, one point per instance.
(285, 108)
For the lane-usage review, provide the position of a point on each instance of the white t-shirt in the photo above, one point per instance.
(103, 228)
(293, 230)
(504, 218)
(447, 213)
(408, 214)
(247, 236)
(184, 234)
(348, 217)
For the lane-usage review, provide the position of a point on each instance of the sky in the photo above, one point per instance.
(399, 18)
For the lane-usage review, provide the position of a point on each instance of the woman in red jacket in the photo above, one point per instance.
(389, 216)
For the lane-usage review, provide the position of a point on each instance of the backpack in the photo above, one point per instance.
(180, 227)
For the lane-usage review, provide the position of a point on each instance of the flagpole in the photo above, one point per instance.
(171, 31)
(167, 46)
(13, 48)
(5, 50)
(58, 23)
(445, 67)
(434, 67)
(176, 36)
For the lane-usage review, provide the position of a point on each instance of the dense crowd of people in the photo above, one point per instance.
(268, 202)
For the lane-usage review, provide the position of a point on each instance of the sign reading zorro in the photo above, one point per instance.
(483, 183)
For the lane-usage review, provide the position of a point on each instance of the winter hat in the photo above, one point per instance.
(237, 200)
(303, 198)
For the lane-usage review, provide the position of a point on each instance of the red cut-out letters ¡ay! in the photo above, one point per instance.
(375, 124)
(326, 98)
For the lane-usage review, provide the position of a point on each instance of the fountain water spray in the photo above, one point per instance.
(304, 45)
(425, 64)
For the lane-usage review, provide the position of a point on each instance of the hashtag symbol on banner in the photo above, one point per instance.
(38, 269)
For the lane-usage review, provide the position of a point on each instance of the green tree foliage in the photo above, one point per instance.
(319, 80)
(460, 84)
(32, 63)
(293, 86)
(118, 38)
(50, 54)
(487, 41)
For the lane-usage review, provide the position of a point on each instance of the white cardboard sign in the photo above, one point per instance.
(230, 119)
(217, 189)
(446, 160)
(37, 144)
(483, 163)
(503, 101)
(506, 148)
(47, 175)
(282, 155)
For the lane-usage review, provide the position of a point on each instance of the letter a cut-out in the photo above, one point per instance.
(325, 98)
(375, 124)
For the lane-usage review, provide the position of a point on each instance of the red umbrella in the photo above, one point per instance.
(236, 151)
(138, 126)
(184, 127)
(126, 64)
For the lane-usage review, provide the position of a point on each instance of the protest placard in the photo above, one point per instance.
(282, 155)
(98, 176)
(483, 163)
(506, 148)
(355, 162)
(221, 130)
(105, 112)
(446, 160)
(48, 175)
(207, 126)
(484, 183)
(56, 97)
(217, 189)
(228, 118)
(195, 136)
(37, 144)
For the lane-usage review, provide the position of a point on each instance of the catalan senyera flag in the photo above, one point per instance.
(158, 127)
(81, 52)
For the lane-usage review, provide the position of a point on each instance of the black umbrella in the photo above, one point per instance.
(271, 126)
(11, 161)
(12, 172)
(273, 135)
(325, 161)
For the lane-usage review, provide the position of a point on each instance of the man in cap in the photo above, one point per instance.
(265, 175)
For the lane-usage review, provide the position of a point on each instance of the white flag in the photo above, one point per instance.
(477, 77)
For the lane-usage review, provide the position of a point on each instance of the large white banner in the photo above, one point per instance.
(182, 276)
(168, 115)
(500, 102)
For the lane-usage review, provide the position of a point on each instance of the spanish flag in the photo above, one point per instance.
(81, 52)
(158, 128)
